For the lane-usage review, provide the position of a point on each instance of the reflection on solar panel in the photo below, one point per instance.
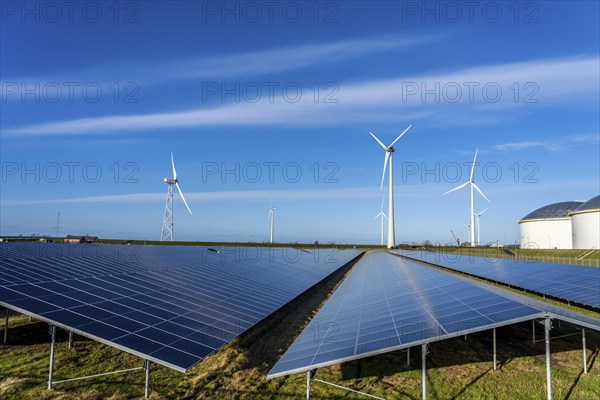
(572, 283)
(172, 305)
(388, 303)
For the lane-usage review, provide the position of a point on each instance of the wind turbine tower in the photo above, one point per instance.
(389, 150)
(167, 227)
(478, 225)
(473, 186)
(382, 215)
(272, 215)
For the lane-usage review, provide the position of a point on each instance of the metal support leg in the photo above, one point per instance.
(70, 340)
(146, 386)
(584, 351)
(6, 327)
(533, 332)
(494, 334)
(408, 356)
(424, 370)
(307, 385)
(52, 342)
(547, 327)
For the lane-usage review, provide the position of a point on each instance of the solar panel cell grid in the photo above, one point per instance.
(572, 283)
(173, 305)
(387, 303)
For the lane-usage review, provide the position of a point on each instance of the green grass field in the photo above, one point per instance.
(457, 368)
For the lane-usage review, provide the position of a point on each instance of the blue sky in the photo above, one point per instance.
(262, 104)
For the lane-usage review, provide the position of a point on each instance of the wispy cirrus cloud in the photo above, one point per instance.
(222, 66)
(551, 144)
(393, 99)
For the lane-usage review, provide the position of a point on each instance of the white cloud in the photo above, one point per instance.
(559, 81)
(550, 144)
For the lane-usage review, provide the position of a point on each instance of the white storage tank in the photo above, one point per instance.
(585, 223)
(548, 227)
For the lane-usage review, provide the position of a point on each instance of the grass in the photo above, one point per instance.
(457, 368)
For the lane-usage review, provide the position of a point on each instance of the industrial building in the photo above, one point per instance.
(585, 224)
(548, 227)
(564, 225)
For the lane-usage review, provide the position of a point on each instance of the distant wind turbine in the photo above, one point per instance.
(382, 215)
(272, 216)
(478, 225)
(167, 228)
(473, 185)
(389, 150)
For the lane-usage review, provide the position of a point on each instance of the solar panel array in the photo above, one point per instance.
(173, 305)
(572, 283)
(388, 303)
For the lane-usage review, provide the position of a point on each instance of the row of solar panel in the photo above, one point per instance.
(572, 283)
(173, 313)
(387, 303)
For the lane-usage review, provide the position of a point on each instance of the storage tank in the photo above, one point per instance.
(548, 227)
(585, 224)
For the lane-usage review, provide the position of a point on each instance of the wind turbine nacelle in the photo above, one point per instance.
(170, 181)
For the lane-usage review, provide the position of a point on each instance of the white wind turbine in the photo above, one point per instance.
(167, 228)
(478, 225)
(382, 215)
(468, 226)
(473, 186)
(272, 216)
(389, 150)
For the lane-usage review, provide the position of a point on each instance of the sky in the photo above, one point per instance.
(271, 104)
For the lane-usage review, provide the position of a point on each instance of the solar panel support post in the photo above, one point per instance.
(547, 327)
(584, 351)
(52, 342)
(494, 339)
(533, 332)
(147, 384)
(307, 385)
(6, 327)
(70, 339)
(408, 356)
(424, 370)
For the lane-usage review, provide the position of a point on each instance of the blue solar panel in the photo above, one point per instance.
(173, 305)
(388, 303)
(572, 283)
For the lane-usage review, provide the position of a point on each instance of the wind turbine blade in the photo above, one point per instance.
(183, 198)
(473, 167)
(378, 141)
(482, 211)
(402, 134)
(387, 156)
(173, 164)
(480, 192)
(456, 188)
(384, 216)
(377, 216)
(382, 200)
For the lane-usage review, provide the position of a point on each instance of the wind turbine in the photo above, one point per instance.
(272, 216)
(382, 215)
(167, 228)
(389, 150)
(468, 231)
(473, 185)
(478, 225)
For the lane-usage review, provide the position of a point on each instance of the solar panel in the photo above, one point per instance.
(172, 305)
(388, 303)
(573, 283)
